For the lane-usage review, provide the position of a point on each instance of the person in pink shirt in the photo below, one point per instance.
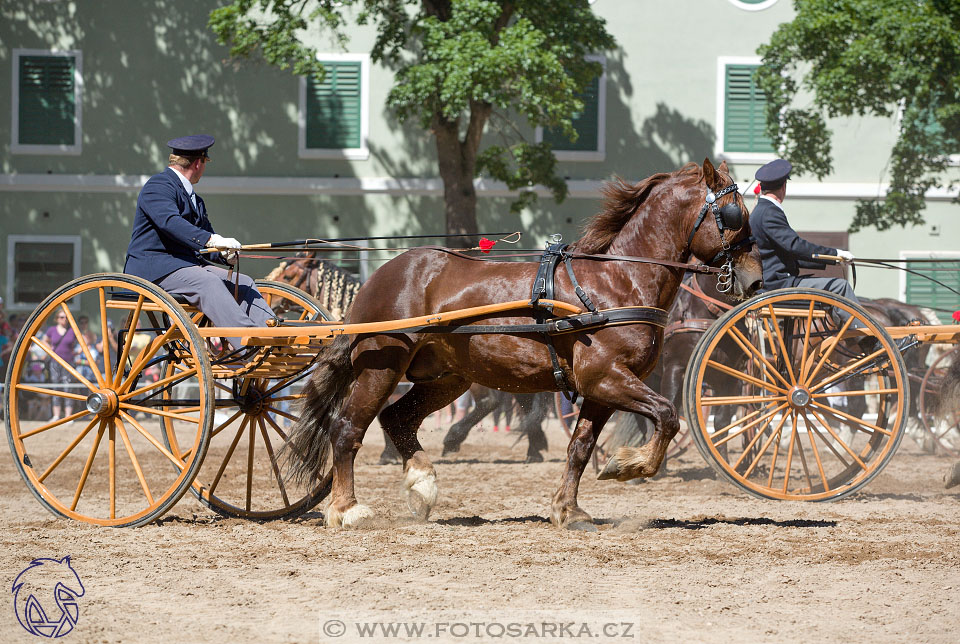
(61, 339)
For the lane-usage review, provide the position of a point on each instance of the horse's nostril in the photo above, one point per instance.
(756, 286)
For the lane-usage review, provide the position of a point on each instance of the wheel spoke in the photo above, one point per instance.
(69, 448)
(853, 419)
(753, 423)
(811, 431)
(836, 437)
(86, 467)
(146, 355)
(827, 353)
(136, 463)
(855, 392)
(775, 323)
(82, 341)
(161, 412)
(774, 435)
(56, 423)
(756, 357)
(252, 438)
(153, 441)
(739, 375)
(128, 341)
(50, 392)
(739, 400)
(226, 459)
(112, 440)
(280, 412)
(105, 334)
(753, 441)
(63, 363)
(273, 461)
(275, 426)
(160, 383)
(793, 437)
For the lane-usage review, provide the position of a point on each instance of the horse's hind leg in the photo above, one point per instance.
(565, 512)
(401, 420)
(346, 436)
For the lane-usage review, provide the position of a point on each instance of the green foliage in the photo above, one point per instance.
(869, 58)
(457, 63)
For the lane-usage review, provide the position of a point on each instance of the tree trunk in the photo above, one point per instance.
(458, 164)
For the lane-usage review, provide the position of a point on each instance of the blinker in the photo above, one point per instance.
(732, 216)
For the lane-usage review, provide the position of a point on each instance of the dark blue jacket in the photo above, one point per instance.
(167, 230)
(782, 251)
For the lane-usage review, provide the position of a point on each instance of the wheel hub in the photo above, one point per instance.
(103, 403)
(799, 397)
(253, 402)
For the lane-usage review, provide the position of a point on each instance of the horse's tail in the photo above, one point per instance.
(309, 442)
(950, 390)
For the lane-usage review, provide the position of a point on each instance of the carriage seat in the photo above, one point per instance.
(129, 296)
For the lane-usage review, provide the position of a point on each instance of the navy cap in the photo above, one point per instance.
(777, 171)
(194, 145)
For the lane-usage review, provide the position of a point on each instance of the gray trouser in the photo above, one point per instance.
(836, 285)
(210, 289)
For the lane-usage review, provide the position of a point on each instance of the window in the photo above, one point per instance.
(920, 291)
(741, 112)
(46, 102)
(39, 264)
(590, 124)
(753, 5)
(334, 112)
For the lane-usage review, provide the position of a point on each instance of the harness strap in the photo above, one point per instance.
(584, 298)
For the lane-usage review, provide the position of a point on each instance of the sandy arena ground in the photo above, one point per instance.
(686, 557)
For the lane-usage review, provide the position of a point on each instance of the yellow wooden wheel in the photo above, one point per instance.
(242, 475)
(942, 425)
(809, 413)
(104, 462)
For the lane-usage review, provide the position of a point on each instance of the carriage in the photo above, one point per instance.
(170, 410)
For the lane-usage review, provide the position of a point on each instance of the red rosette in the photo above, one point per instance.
(486, 245)
(956, 316)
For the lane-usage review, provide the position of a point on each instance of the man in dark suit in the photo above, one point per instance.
(171, 226)
(782, 251)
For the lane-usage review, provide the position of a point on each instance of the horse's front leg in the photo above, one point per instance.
(644, 461)
(565, 513)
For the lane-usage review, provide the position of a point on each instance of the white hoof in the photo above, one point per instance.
(420, 487)
(352, 518)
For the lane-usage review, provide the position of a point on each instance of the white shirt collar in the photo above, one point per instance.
(186, 182)
(773, 201)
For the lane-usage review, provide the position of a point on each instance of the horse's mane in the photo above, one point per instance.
(621, 201)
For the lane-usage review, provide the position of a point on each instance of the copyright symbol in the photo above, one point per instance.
(334, 628)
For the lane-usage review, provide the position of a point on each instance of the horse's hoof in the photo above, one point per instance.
(421, 492)
(581, 526)
(534, 457)
(611, 470)
(953, 476)
(389, 459)
(355, 517)
(449, 449)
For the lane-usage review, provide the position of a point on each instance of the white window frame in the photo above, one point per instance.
(734, 157)
(600, 154)
(363, 152)
(13, 240)
(921, 254)
(62, 149)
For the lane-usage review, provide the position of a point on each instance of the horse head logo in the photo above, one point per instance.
(45, 597)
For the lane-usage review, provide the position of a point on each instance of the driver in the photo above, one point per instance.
(171, 225)
(784, 252)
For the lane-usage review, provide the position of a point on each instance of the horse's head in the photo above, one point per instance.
(720, 234)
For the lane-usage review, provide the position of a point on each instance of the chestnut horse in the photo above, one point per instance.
(657, 218)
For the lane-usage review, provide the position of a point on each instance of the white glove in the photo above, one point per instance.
(228, 247)
(845, 255)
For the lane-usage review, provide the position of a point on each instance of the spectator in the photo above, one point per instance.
(92, 341)
(61, 339)
(111, 346)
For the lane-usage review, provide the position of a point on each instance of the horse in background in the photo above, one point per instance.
(658, 219)
(533, 411)
(333, 286)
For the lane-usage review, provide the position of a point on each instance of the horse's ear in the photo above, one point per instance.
(710, 174)
(723, 167)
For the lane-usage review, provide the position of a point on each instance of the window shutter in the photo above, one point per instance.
(744, 112)
(333, 107)
(923, 292)
(47, 108)
(39, 269)
(586, 123)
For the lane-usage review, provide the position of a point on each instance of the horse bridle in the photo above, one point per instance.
(728, 217)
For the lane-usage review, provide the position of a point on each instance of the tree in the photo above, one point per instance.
(869, 57)
(459, 65)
